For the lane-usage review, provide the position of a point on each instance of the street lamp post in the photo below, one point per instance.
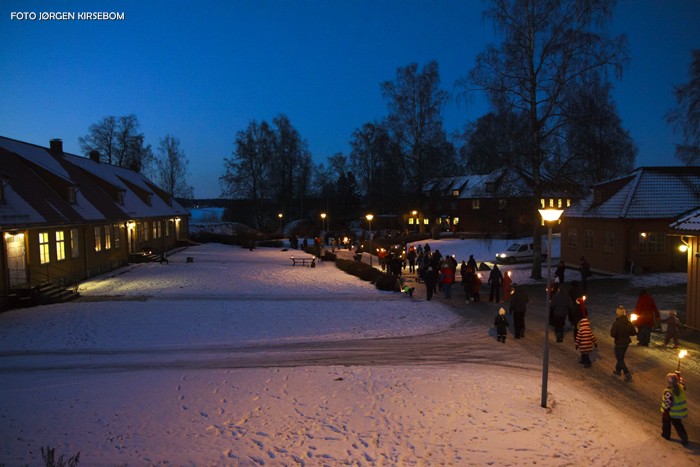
(549, 216)
(280, 218)
(369, 220)
(323, 221)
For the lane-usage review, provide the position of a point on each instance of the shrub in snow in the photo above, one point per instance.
(359, 269)
(386, 282)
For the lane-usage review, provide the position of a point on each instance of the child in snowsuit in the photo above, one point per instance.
(673, 325)
(585, 341)
(673, 407)
(501, 323)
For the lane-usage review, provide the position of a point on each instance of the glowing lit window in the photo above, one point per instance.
(60, 245)
(98, 238)
(652, 242)
(44, 248)
(117, 236)
(108, 237)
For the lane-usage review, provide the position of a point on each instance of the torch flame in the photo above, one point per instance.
(633, 317)
(682, 353)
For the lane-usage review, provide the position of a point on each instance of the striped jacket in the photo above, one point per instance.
(585, 340)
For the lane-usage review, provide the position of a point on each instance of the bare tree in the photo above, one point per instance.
(247, 172)
(172, 168)
(686, 117)
(493, 141)
(548, 47)
(414, 122)
(598, 148)
(378, 167)
(119, 142)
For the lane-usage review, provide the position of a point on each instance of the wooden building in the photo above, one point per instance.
(622, 226)
(687, 228)
(65, 218)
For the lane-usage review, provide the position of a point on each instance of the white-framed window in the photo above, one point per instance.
(476, 204)
(44, 254)
(74, 243)
(572, 235)
(98, 238)
(588, 239)
(608, 241)
(60, 245)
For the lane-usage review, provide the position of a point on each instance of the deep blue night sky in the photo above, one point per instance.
(203, 70)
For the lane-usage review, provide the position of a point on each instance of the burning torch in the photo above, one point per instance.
(681, 354)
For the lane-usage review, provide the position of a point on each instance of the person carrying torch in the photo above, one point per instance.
(621, 331)
(673, 406)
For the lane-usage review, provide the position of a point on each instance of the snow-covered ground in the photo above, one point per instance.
(144, 370)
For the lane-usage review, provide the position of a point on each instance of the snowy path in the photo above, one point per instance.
(311, 367)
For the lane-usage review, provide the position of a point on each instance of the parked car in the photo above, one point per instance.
(518, 252)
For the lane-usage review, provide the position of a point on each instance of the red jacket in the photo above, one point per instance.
(646, 310)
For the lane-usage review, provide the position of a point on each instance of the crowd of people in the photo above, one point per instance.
(567, 302)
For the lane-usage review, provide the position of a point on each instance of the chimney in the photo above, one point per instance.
(95, 156)
(56, 146)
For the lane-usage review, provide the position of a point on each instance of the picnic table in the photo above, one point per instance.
(306, 260)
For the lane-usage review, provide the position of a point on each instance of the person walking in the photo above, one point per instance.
(673, 326)
(647, 316)
(518, 307)
(447, 277)
(468, 283)
(674, 407)
(495, 280)
(501, 324)
(476, 287)
(585, 341)
(585, 270)
(560, 310)
(430, 279)
(622, 330)
(559, 273)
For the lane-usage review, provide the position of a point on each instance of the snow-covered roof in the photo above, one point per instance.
(501, 183)
(688, 223)
(646, 193)
(38, 183)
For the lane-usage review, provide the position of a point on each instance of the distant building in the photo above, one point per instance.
(65, 218)
(501, 203)
(622, 226)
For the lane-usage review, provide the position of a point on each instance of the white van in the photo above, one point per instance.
(519, 253)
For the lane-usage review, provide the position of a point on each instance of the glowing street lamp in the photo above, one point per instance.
(369, 218)
(323, 221)
(549, 216)
(681, 354)
(280, 218)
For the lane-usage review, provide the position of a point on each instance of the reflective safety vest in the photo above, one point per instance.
(679, 409)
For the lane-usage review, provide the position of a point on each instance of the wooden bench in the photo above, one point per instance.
(308, 260)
